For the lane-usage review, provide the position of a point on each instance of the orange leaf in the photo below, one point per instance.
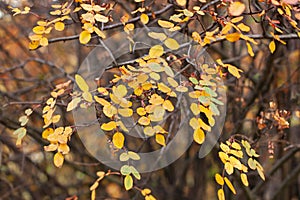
(236, 8)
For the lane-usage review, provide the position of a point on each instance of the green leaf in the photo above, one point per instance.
(125, 170)
(135, 173)
(128, 182)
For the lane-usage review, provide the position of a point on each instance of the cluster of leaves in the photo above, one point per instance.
(237, 156)
(44, 27)
(58, 136)
(21, 132)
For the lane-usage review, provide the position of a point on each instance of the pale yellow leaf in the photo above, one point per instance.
(81, 83)
(244, 179)
(58, 159)
(172, 44)
(236, 8)
(156, 51)
(165, 24)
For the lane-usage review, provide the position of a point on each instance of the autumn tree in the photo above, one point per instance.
(149, 99)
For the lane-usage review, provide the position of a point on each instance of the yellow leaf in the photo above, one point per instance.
(261, 173)
(101, 101)
(145, 191)
(251, 163)
(39, 30)
(84, 37)
(182, 88)
(120, 91)
(149, 131)
(219, 179)
(172, 82)
(73, 104)
(158, 112)
(160, 139)
(144, 121)
(44, 42)
(229, 184)
(94, 186)
(58, 159)
(55, 119)
(81, 83)
(156, 51)
(125, 112)
(181, 2)
(165, 24)
(250, 50)
(128, 182)
(169, 71)
(122, 126)
(223, 156)
(236, 145)
(55, 12)
(235, 162)
(233, 37)
(162, 87)
(237, 19)
(109, 126)
(172, 44)
(155, 99)
(47, 132)
(141, 111)
(243, 27)
(128, 28)
(199, 136)
(63, 148)
(194, 123)
(236, 8)
(158, 36)
(110, 110)
(33, 45)
(195, 109)
(221, 195)
(59, 26)
(168, 105)
(118, 140)
(226, 28)
(101, 18)
(228, 168)
(93, 195)
(234, 70)
(244, 179)
(51, 147)
(99, 32)
(272, 46)
(144, 18)
(87, 96)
